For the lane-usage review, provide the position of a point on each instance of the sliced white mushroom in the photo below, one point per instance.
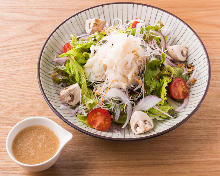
(94, 25)
(140, 122)
(71, 94)
(178, 52)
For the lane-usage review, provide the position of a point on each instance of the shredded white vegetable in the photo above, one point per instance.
(119, 59)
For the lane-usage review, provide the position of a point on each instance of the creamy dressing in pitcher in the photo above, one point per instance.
(35, 144)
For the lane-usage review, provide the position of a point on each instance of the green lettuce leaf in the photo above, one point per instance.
(149, 35)
(81, 52)
(122, 118)
(88, 98)
(157, 78)
(83, 119)
(151, 80)
(61, 76)
(163, 58)
(163, 90)
(129, 31)
(153, 75)
(111, 105)
(156, 81)
(74, 40)
(75, 69)
(177, 72)
(96, 37)
(156, 27)
(157, 114)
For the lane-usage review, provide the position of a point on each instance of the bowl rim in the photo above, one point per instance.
(122, 139)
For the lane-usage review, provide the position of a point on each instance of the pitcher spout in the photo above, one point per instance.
(65, 137)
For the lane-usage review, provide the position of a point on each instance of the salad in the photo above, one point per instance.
(124, 74)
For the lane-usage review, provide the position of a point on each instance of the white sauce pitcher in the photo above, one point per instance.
(63, 136)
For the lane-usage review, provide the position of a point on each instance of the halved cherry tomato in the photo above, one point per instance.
(100, 119)
(178, 89)
(134, 24)
(67, 47)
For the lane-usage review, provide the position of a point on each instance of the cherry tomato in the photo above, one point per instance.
(178, 89)
(100, 119)
(67, 47)
(134, 24)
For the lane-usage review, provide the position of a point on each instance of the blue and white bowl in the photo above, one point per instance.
(182, 34)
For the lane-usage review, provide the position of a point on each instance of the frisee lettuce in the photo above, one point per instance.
(163, 90)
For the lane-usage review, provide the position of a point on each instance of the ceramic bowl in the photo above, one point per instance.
(63, 136)
(182, 34)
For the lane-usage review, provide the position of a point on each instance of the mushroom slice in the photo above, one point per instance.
(94, 25)
(178, 52)
(140, 122)
(71, 94)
